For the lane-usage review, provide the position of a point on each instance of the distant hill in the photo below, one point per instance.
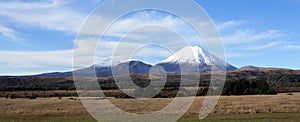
(250, 67)
(52, 74)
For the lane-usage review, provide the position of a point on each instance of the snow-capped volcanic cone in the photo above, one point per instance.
(190, 57)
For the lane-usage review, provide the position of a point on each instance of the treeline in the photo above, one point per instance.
(237, 83)
(247, 87)
(36, 94)
(36, 83)
(67, 83)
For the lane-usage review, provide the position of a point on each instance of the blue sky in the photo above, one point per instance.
(38, 36)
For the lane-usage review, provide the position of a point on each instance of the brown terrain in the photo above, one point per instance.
(252, 104)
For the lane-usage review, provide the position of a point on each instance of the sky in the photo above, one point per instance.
(39, 36)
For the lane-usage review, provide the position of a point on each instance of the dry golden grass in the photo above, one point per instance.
(227, 105)
(251, 104)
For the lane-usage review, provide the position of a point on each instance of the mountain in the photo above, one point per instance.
(131, 67)
(190, 57)
(135, 67)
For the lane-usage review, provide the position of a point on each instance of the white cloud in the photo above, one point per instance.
(51, 15)
(291, 47)
(223, 26)
(246, 36)
(242, 54)
(61, 58)
(238, 38)
(152, 18)
(9, 33)
(269, 45)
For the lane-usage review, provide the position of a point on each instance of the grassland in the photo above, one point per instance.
(280, 107)
(263, 117)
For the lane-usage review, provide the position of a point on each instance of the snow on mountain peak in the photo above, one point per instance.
(191, 54)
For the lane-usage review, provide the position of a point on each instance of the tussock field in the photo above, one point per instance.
(228, 106)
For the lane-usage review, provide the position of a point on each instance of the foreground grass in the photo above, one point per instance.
(270, 117)
(266, 117)
(46, 118)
